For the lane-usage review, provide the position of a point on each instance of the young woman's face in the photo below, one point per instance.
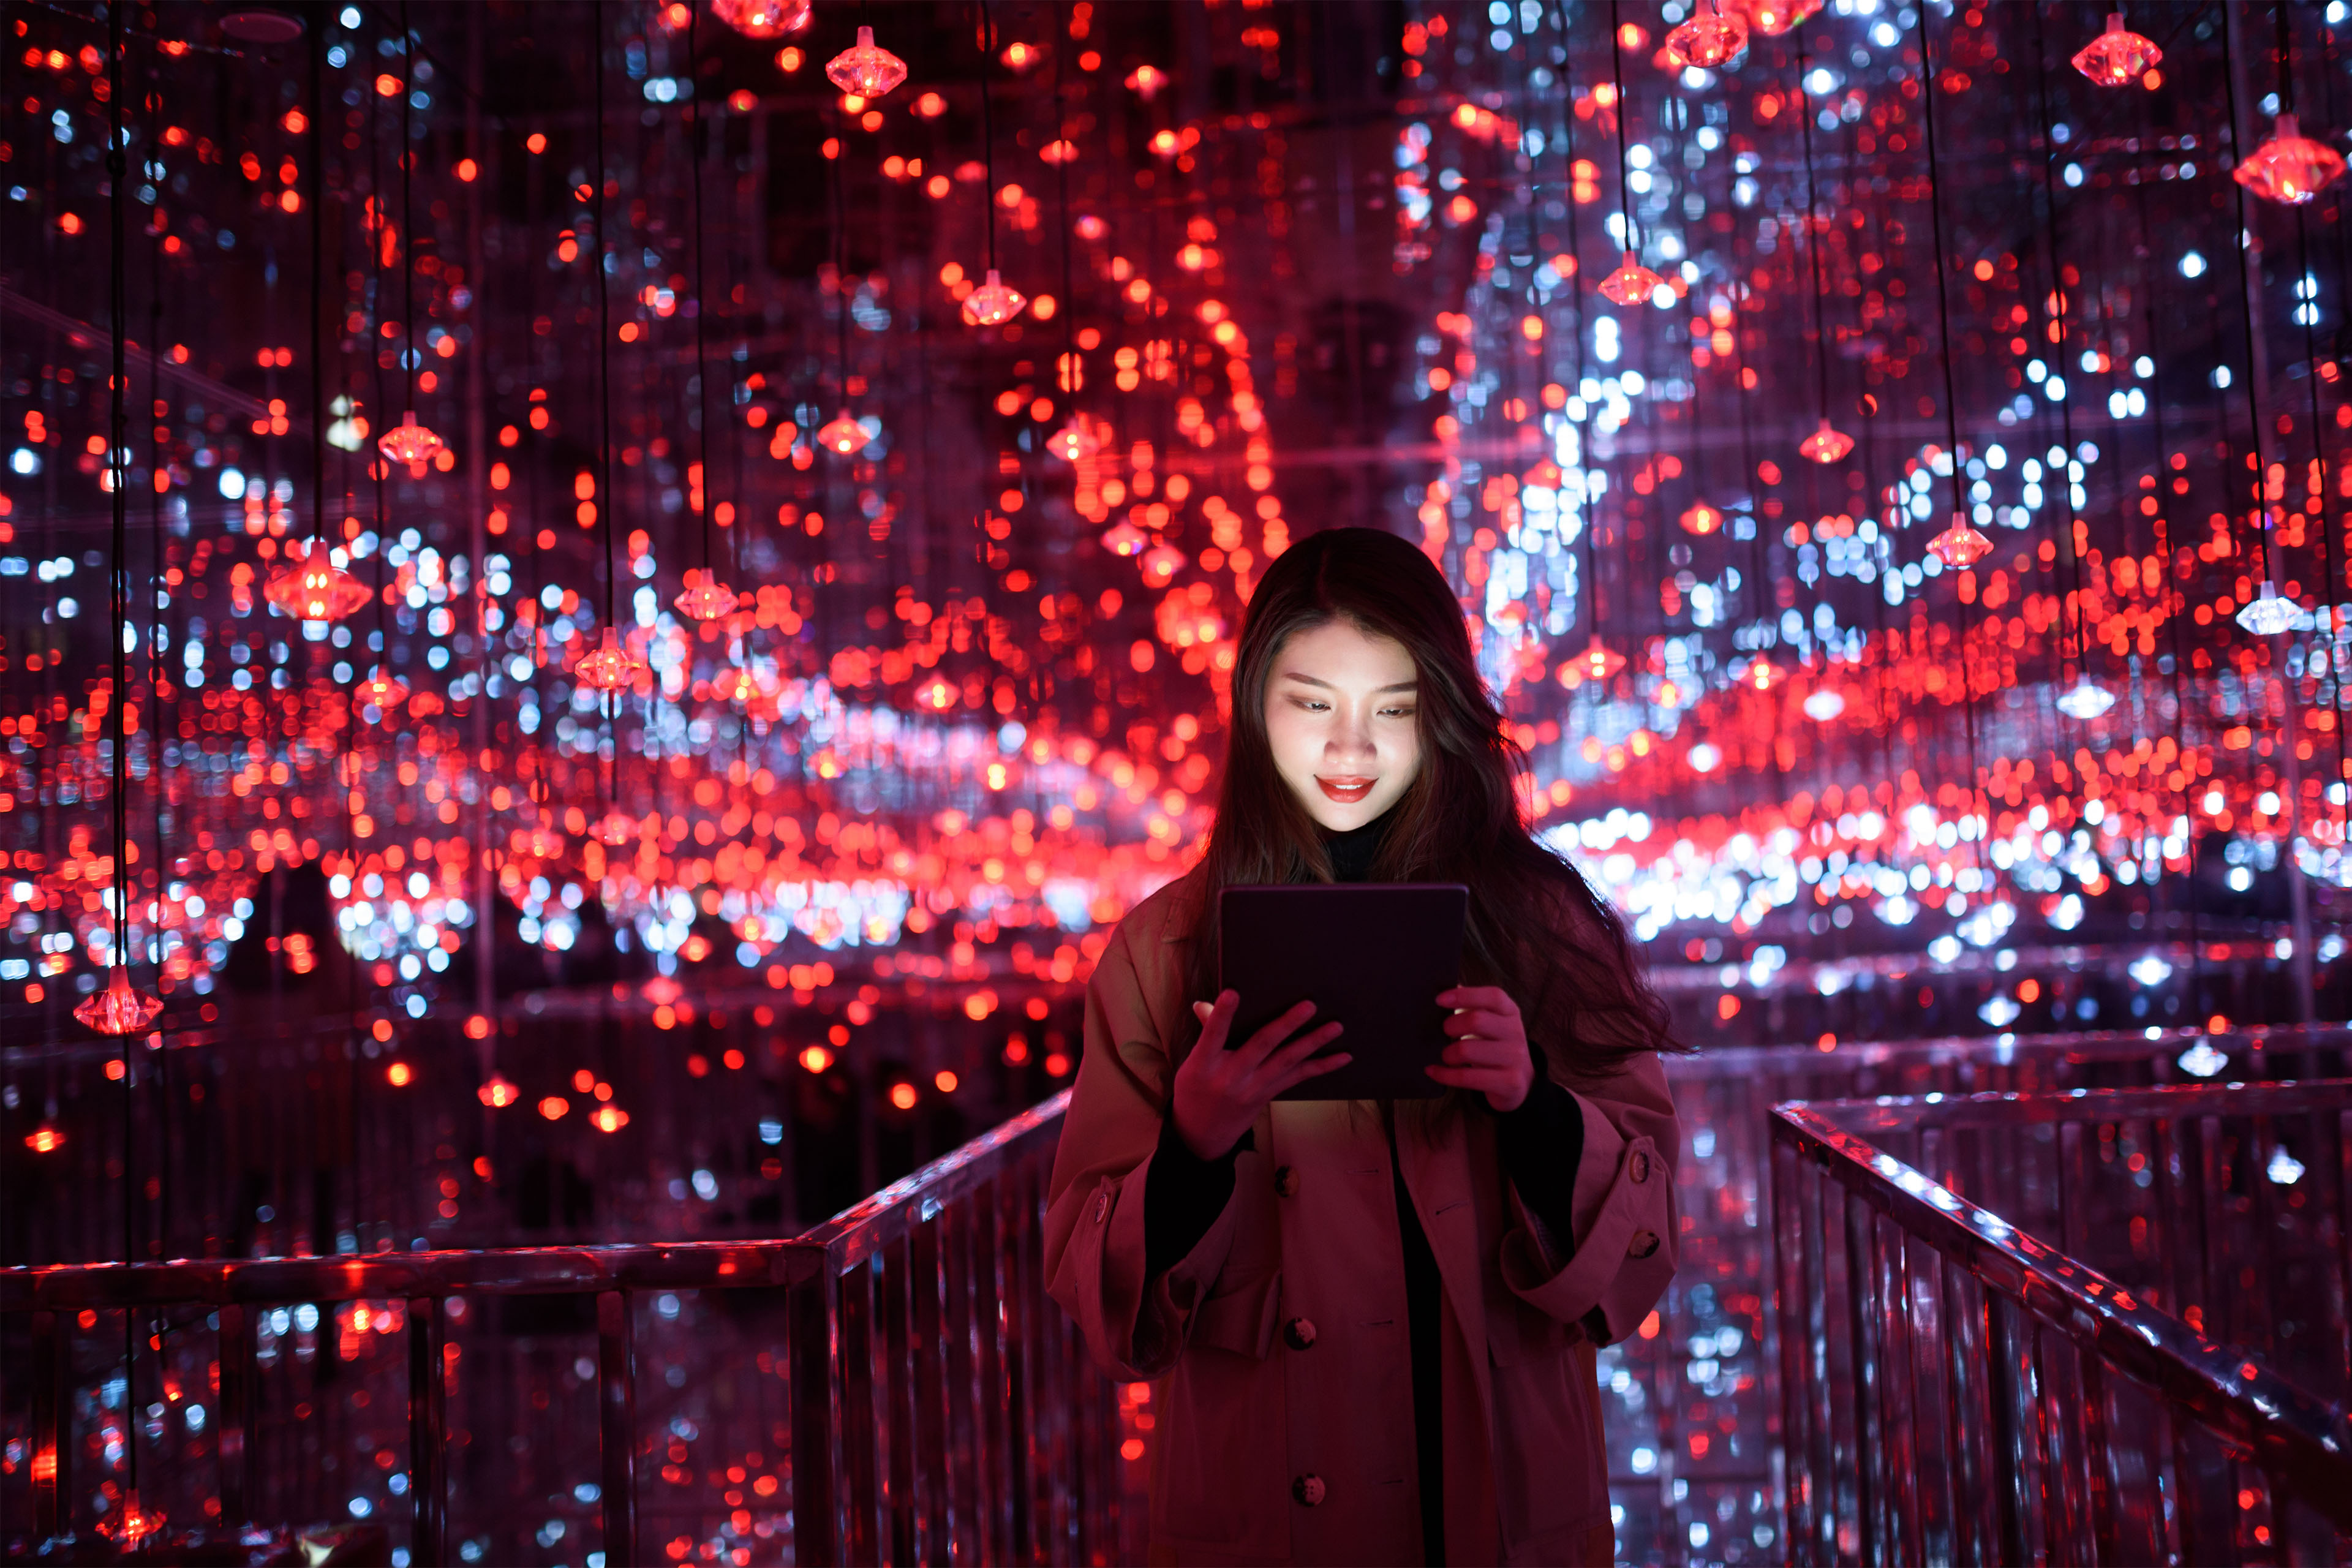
(1340, 716)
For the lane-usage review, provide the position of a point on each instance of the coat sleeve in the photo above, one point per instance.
(1135, 1325)
(1610, 1272)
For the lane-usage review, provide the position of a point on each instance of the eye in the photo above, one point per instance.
(1398, 712)
(1312, 704)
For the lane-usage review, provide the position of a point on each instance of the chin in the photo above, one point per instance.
(1338, 815)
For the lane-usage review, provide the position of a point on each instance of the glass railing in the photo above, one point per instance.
(893, 1385)
(2102, 1325)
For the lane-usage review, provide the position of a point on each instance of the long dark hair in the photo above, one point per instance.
(1536, 926)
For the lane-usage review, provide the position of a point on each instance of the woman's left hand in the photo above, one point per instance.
(1488, 1050)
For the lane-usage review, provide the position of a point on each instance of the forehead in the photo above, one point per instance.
(1341, 653)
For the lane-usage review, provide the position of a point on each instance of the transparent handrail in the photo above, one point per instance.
(1957, 1387)
(940, 1406)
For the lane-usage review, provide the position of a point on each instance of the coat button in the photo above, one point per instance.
(1638, 1167)
(1298, 1333)
(1308, 1489)
(1644, 1243)
(1285, 1181)
(1102, 1208)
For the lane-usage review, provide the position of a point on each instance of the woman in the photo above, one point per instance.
(1370, 1327)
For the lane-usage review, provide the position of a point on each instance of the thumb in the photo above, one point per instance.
(1201, 1010)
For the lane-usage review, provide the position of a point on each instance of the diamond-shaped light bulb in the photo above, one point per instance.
(2267, 615)
(120, 1009)
(411, 443)
(763, 19)
(497, 1091)
(2086, 699)
(1599, 661)
(867, 70)
(2118, 57)
(1709, 38)
(1073, 441)
(313, 588)
(994, 303)
(612, 829)
(842, 435)
(1632, 283)
(607, 668)
(2290, 167)
(1961, 545)
(706, 599)
(1825, 445)
(380, 692)
(1774, 18)
(1699, 518)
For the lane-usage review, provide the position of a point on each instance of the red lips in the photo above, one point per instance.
(1345, 791)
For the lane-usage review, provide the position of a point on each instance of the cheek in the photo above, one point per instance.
(1290, 739)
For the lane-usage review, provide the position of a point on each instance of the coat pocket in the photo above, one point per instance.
(1239, 1318)
(1548, 1451)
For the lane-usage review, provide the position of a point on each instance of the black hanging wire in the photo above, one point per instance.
(316, 199)
(695, 131)
(841, 257)
(1065, 148)
(2261, 530)
(117, 461)
(1617, 81)
(987, 118)
(1977, 801)
(2062, 479)
(408, 215)
(1813, 233)
(607, 701)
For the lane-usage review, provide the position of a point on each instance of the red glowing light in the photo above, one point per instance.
(763, 19)
(841, 435)
(133, 1523)
(1145, 81)
(498, 1092)
(608, 1118)
(313, 588)
(1774, 18)
(1709, 38)
(1701, 519)
(614, 829)
(2118, 57)
(706, 600)
(1073, 441)
(1599, 661)
(994, 303)
(400, 1075)
(120, 1009)
(1959, 545)
(1632, 283)
(609, 667)
(380, 692)
(2290, 167)
(1825, 445)
(554, 1107)
(411, 443)
(44, 1140)
(866, 69)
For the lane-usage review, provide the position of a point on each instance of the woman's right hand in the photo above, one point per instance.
(1219, 1092)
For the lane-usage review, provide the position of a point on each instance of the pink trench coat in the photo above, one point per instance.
(1264, 1453)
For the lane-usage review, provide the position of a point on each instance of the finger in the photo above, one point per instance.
(1484, 1054)
(1477, 1021)
(1314, 1067)
(1474, 996)
(1304, 1046)
(1216, 1017)
(1264, 1042)
(1485, 1081)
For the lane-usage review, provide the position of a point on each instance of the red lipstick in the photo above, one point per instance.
(1345, 791)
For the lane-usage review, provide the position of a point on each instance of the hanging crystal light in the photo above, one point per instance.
(120, 1009)
(608, 1118)
(763, 19)
(869, 69)
(1632, 283)
(609, 667)
(841, 435)
(1823, 704)
(615, 828)
(2118, 57)
(1145, 82)
(497, 1091)
(46, 1139)
(1123, 538)
(1073, 441)
(313, 588)
(1701, 519)
(1961, 545)
(1598, 661)
(1761, 674)
(706, 599)
(2290, 167)
(380, 692)
(1709, 38)
(2086, 699)
(994, 303)
(1545, 475)
(411, 443)
(1774, 18)
(1826, 445)
(2267, 615)
(133, 1523)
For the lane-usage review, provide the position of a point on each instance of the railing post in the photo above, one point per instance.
(816, 1485)
(235, 1347)
(52, 1436)
(617, 1378)
(428, 1425)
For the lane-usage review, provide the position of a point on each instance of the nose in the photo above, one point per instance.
(1352, 739)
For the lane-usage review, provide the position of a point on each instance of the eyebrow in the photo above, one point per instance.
(1310, 680)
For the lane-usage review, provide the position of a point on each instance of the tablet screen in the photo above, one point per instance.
(1372, 955)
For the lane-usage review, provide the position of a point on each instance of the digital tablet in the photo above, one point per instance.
(1371, 955)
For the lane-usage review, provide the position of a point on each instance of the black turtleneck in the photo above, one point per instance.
(1542, 1143)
